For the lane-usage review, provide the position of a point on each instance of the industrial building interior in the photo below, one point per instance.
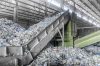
(49, 32)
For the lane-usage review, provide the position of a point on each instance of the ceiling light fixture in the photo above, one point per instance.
(70, 11)
(13, 1)
(54, 3)
(79, 15)
(90, 21)
(65, 8)
(85, 18)
(98, 25)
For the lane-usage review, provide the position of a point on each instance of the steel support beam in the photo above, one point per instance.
(93, 27)
(15, 16)
(68, 35)
(61, 34)
(88, 40)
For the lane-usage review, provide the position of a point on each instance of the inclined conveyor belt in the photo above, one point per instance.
(43, 38)
(24, 54)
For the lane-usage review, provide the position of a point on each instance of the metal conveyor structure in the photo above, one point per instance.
(34, 46)
(88, 40)
(42, 39)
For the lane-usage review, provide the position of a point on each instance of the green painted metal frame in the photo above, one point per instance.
(68, 38)
(81, 42)
(88, 40)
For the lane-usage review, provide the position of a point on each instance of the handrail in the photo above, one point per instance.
(25, 4)
(38, 14)
(42, 5)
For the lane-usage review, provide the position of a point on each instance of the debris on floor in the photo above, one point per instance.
(67, 57)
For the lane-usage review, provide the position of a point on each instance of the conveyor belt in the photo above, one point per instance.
(42, 39)
(34, 46)
(88, 40)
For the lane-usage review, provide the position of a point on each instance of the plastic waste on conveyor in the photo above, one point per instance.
(23, 44)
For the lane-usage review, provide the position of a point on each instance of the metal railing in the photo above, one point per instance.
(23, 10)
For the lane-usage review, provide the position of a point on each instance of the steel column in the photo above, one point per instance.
(68, 35)
(15, 12)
